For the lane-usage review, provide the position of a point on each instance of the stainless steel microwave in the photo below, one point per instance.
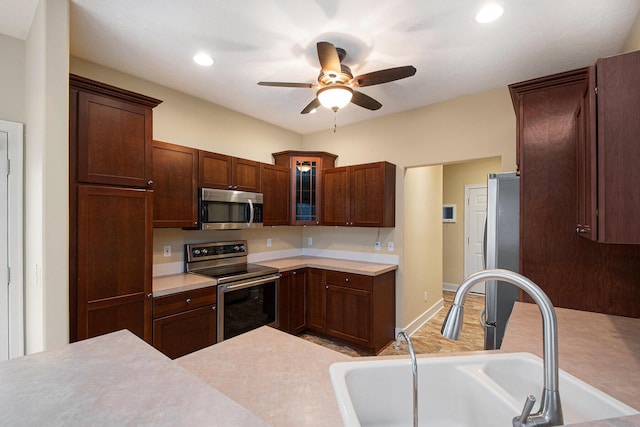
(229, 209)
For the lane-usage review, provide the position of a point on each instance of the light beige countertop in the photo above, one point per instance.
(112, 380)
(280, 378)
(601, 350)
(181, 282)
(343, 265)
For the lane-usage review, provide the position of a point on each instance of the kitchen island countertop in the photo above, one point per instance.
(113, 379)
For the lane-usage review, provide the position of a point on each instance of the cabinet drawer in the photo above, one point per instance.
(356, 281)
(176, 303)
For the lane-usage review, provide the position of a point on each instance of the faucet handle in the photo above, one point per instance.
(528, 406)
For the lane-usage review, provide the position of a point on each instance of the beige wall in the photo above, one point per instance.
(46, 177)
(633, 40)
(422, 270)
(455, 177)
(12, 74)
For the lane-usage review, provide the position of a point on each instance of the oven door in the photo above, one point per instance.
(243, 306)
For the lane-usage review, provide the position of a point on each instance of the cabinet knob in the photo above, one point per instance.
(149, 295)
(150, 182)
(326, 286)
(346, 279)
(294, 273)
(213, 308)
(188, 300)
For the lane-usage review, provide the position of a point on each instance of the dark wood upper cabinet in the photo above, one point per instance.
(275, 185)
(228, 173)
(608, 151)
(114, 130)
(175, 177)
(359, 195)
(306, 183)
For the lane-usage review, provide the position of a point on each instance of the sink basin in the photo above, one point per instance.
(476, 390)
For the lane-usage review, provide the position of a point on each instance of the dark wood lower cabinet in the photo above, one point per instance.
(185, 332)
(292, 301)
(184, 322)
(114, 235)
(354, 308)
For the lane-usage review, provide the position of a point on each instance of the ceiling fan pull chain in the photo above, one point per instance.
(335, 126)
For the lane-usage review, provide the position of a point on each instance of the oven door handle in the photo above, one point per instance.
(227, 288)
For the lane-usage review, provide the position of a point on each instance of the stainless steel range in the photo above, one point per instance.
(246, 293)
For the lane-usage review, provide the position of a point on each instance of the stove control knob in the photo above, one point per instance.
(196, 252)
(205, 251)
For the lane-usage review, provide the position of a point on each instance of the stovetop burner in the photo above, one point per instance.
(224, 261)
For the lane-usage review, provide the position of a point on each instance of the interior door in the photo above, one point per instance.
(475, 214)
(4, 244)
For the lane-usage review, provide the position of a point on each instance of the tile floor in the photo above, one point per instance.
(428, 339)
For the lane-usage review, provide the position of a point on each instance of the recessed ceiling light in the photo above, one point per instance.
(203, 59)
(489, 13)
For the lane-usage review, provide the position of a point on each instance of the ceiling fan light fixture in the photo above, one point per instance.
(335, 97)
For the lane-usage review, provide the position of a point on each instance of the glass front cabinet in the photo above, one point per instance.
(306, 182)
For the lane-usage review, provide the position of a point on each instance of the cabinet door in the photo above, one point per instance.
(186, 332)
(306, 187)
(175, 182)
(114, 141)
(335, 198)
(298, 301)
(276, 191)
(372, 195)
(284, 323)
(618, 116)
(246, 175)
(316, 307)
(349, 314)
(215, 170)
(114, 249)
(586, 162)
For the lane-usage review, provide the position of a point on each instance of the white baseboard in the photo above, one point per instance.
(451, 287)
(422, 319)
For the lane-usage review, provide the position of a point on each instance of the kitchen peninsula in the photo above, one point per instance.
(273, 377)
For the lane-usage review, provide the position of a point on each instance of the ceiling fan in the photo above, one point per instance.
(336, 82)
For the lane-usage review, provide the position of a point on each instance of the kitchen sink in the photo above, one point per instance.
(475, 390)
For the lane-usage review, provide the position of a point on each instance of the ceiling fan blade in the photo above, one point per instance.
(328, 57)
(365, 101)
(312, 106)
(384, 76)
(284, 84)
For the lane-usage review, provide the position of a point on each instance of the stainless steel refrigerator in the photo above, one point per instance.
(501, 250)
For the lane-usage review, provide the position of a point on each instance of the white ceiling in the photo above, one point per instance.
(275, 40)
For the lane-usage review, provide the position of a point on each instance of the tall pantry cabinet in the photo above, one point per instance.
(111, 210)
(575, 272)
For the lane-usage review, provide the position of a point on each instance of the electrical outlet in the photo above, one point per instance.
(310, 241)
(390, 246)
(377, 246)
(167, 251)
(268, 243)
(425, 296)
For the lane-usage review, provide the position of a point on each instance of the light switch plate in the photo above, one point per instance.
(390, 246)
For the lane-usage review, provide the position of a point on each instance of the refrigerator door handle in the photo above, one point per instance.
(484, 243)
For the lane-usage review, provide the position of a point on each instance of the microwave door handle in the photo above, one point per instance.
(250, 213)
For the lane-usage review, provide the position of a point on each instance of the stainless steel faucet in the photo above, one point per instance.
(414, 364)
(550, 413)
